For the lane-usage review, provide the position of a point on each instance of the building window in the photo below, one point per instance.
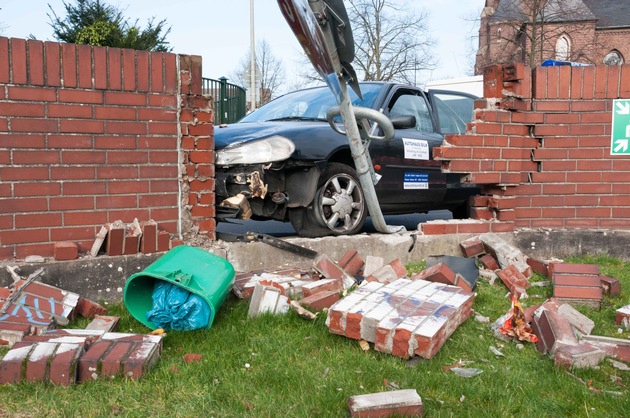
(563, 48)
(613, 58)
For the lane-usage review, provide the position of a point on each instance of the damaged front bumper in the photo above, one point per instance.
(264, 191)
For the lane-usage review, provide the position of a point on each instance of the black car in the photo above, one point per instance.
(285, 162)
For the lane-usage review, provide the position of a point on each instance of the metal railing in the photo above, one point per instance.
(229, 100)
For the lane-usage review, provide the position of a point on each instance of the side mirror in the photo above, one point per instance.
(404, 122)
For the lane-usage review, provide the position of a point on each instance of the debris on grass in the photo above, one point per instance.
(466, 372)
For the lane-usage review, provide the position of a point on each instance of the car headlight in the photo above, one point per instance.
(273, 148)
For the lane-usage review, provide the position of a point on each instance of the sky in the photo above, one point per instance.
(219, 30)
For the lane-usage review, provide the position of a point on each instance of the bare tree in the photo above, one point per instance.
(531, 31)
(2, 27)
(271, 74)
(392, 42)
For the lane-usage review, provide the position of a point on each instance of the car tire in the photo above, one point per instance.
(339, 206)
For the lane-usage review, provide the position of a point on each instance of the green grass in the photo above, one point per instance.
(298, 369)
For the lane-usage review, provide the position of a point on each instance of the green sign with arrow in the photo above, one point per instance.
(620, 136)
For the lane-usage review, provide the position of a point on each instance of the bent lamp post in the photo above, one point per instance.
(323, 30)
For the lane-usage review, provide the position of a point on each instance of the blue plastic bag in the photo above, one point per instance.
(175, 308)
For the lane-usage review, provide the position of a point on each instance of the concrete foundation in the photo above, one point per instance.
(103, 278)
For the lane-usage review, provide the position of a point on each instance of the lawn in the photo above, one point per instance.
(274, 366)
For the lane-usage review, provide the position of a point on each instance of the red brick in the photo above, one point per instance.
(149, 240)
(513, 279)
(65, 251)
(574, 293)
(37, 364)
(320, 300)
(472, 247)
(561, 267)
(103, 323)
(4, 61)
(576, 280)
(552, 330)
(351, 262)
(440, 273)
(610, 285)
(489, 262)
(141, 359)
(111, 363)
(323, 285)
(89, 362)
(64, 365)
(132, 244)
(13, 363)
(404, 402)
(163, 239)
(115, 239)
(89, 309)
(100, 67)
(582, 355)
(540, 267)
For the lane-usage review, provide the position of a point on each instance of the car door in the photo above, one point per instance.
(452, 110)
(410, 178)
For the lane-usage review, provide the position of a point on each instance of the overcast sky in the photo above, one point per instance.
(219, 30)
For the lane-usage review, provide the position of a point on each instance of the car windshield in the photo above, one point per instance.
(309, 104)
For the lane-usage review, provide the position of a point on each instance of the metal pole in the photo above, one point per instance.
(252, 61)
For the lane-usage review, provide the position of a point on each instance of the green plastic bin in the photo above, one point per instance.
(196, 270)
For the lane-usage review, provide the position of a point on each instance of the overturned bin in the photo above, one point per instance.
(185, 280)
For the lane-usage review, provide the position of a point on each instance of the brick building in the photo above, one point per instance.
(532, 31)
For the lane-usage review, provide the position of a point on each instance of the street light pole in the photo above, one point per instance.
(252, 63)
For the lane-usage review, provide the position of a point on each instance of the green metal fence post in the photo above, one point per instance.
(223, 100)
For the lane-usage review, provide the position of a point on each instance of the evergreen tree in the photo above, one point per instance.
(95, 22)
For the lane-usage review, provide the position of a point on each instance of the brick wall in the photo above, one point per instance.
(90, 135)
(540, 148)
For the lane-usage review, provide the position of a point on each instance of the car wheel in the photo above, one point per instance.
(339, 203)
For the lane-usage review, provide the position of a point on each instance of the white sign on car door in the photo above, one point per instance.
(416, 149)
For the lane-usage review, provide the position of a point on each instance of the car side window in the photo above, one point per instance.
(454, 112)
(413, 105)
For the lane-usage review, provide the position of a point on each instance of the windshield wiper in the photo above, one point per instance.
(301, 118)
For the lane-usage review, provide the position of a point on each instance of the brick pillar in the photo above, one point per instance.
(197, 150)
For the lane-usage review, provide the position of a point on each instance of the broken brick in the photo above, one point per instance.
(552, 329)
(322, 285)
(351, 262)
(581, 356)
(622, 316)
(329, 269)
(267, 299)
(372, 263)
(610, 285)
(472, 247)
(320, 300)
(489, 262)
(405, 402)
(579, 322)
(402, 318)
(540, 267)
(506, 254)
(514, 280)
(88, 308)
(103, 323)
(439, 273)
(615, 347)
(385, 274)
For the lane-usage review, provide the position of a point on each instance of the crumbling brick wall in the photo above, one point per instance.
(90, 135)
(540, 147)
